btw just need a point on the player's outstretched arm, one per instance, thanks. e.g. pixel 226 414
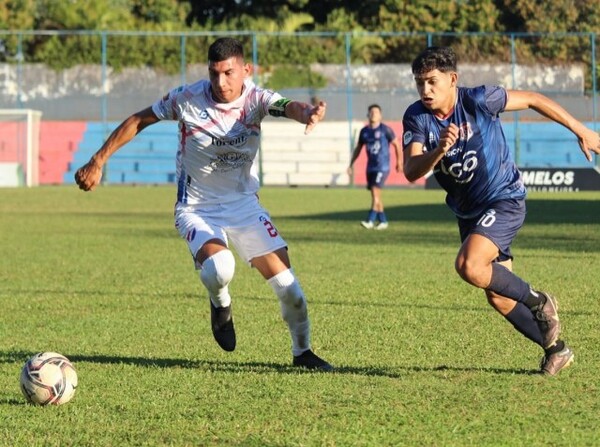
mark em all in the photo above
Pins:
pixel 306 114
pixel 90 174
pixel 589 140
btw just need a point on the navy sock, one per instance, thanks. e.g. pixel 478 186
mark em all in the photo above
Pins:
pixel 534 299
pixel 556 347
pixel 522 319
pixel 372 215
pixel 381 217
pixel 506 283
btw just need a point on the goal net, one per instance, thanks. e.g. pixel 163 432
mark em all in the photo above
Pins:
pixel 19 147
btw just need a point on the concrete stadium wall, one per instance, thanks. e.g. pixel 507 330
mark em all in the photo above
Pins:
pixel 81 93
pixel 288 157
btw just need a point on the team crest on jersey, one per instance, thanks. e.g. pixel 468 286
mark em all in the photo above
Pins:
pixel 407 137
pixel 465 131
pixel 229 161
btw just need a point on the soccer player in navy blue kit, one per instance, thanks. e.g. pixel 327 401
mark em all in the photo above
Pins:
pixel 456 132
pixel 377 138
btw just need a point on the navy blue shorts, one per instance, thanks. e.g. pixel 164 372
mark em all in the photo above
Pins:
pixel 376 178
pixel 499 223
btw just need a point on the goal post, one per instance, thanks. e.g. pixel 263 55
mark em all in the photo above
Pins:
pixel 19 147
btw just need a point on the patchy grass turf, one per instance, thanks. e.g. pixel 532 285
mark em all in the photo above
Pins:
pixel 103 278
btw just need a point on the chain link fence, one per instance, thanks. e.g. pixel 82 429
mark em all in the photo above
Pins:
pixel 103 77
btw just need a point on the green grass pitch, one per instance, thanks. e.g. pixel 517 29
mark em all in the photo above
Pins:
pixel 421 359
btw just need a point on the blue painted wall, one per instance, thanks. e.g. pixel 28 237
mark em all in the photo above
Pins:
pixel 150 157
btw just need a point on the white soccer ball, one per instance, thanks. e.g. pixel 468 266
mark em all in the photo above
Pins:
pixel 48 378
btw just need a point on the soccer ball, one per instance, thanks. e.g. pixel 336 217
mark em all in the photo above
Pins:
pixel 48 378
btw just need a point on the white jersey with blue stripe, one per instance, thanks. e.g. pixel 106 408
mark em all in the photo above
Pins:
pixel 478 170
pixel 218 142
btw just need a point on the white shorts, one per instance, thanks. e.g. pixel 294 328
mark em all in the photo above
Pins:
pixel 245 223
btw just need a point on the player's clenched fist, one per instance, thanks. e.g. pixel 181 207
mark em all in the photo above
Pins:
pixel 448 137
pixel 89 175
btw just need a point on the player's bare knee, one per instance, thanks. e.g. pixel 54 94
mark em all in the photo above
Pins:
pixel 217 270
pixel 471 271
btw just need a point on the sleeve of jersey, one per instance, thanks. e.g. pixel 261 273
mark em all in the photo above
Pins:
pixel 412 132
pixel 390 135
pixel 495 99
pixel 361 137
pixel 165 108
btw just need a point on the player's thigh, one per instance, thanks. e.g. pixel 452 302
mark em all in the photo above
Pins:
pixel 256 239
pixel 272 263
pixel 199 231
pixel 489 236
pixel 376 179
pixel 477 249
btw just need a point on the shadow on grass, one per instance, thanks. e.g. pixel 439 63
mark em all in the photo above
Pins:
pixel 16 293
pixel 435 225
pixel 538 211
pixel 258 367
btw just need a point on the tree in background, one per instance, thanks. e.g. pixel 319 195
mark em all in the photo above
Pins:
pixel 460 19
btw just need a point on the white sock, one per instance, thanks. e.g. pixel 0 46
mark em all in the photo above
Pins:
pixel 293 309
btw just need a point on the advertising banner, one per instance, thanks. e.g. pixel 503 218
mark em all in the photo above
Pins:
pixel 551 179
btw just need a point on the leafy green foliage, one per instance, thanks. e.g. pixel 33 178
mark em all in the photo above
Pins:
pixel 291 76
pixel 455 17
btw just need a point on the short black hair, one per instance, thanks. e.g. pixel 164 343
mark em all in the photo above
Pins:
pixel 225 48
pixel 435 58
pixel 374 106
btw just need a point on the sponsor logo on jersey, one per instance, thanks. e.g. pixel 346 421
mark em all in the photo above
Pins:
pixel 407 137
pixel 235 142
pixel 229 161
pixel 462 170
pixel 432 140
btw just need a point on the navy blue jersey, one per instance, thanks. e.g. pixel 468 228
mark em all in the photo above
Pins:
pixel 377 142
pixel 478 170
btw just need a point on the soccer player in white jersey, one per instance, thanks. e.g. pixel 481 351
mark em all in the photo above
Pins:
pixel 217 206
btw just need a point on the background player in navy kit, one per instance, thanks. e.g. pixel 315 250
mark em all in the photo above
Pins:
pixel 377 138
pixel 456 132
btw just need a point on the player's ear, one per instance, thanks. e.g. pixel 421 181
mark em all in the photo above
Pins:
pixel 454 79
pixel 248 69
